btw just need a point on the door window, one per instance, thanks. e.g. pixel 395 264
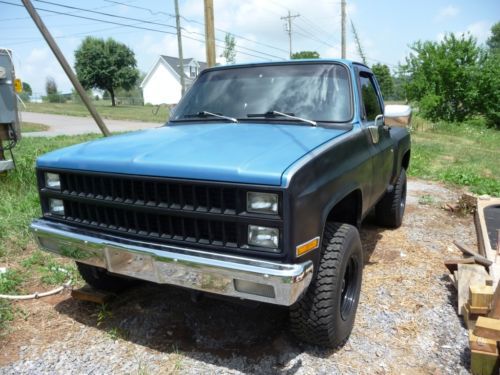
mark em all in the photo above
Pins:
pixel 371 104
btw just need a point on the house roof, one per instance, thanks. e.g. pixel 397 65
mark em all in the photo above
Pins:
pixel 174 62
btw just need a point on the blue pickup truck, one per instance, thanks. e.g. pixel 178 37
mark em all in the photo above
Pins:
pixel 254 189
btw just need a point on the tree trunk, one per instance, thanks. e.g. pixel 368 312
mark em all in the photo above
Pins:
pixel 112 94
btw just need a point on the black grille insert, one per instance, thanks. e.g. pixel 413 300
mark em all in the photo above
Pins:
pixel 204 231
pixel 173 195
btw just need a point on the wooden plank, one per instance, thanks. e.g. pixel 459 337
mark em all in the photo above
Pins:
pixel 452 264
pixel 495 304
pixel 453 280
pixel 468 274
pixel 488 328
pixel 479 310
pixel 481 343
pixel 480 295
pixel 91 295
pixel 477 258
pixel 469 318
pixel 483 363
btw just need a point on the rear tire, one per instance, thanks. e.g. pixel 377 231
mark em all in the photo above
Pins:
pixel 390 210
pixel 325 315
pixel 100 278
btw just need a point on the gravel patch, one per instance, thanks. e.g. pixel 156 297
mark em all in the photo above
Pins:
pixel 406 321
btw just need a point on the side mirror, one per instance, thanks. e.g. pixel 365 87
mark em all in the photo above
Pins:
pixel 397 115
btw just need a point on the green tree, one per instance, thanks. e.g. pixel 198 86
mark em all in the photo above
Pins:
pixel 384 79
pixel 493 41
pixel 106 65
pixel 488 87
pixel 50 86
pixel 305 55
pixel 229 52
pixel 27 88
pixel 441 77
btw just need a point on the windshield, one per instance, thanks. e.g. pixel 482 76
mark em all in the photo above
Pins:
pixel 319 92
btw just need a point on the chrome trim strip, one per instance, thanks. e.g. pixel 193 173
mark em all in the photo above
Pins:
pixel 168 264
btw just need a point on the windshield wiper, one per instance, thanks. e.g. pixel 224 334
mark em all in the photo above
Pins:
pixel 287 115
pixel 206 113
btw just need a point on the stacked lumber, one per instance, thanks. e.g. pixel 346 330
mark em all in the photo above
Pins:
pixel 479 305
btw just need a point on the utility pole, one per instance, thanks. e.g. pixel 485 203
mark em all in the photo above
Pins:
pixel 209 32
pixel 179 46
pixel 66 67
pixel 361 52
pixel 342 6
pixel 288 28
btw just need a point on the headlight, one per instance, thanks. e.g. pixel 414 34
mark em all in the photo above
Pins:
pixel 52 181
pixel 263 236
pixel 266 203
pixel 56 207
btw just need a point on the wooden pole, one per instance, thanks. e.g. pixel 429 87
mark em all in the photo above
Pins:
pixel 66 67
pixel 179 46
pixel 343 28
pixel 209 32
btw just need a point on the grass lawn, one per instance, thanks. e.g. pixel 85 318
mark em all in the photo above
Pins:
pixel 465 155
pixel 27 127
pixel 145 113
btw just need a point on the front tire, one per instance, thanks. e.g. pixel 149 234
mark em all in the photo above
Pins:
pixel 390 210
pixel 325 315
pixel 100 278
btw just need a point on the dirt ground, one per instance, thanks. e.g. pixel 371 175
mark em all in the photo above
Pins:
pixel 406 321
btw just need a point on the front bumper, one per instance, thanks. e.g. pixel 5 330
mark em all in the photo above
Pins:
pixel 234 276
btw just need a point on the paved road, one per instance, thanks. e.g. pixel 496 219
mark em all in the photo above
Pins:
pixel 72 125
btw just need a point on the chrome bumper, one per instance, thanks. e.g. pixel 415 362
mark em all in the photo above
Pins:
pixel 234 276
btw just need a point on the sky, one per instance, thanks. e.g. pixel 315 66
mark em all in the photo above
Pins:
pixel 386 29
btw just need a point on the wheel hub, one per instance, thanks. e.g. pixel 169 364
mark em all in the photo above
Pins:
pixel 348 290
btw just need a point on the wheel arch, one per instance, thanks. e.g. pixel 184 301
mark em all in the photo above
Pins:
pixel 345 208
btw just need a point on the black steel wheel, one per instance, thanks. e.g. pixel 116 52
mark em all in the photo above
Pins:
pixel 390 210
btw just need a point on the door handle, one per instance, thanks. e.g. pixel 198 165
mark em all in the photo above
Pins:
pixel 373 129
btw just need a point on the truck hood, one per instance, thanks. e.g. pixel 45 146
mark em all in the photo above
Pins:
pixel 253 153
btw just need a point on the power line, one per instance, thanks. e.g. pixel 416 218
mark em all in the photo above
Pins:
pixel 105 14
pixel 154 12
pixel 311 36
pixel 130 26
pixel 147 22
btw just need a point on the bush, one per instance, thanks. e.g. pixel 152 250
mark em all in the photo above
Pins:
pixel 54 98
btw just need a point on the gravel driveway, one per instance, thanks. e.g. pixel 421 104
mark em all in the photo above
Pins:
pixel 406 321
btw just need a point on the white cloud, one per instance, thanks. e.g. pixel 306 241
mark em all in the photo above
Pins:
pixel 449 11
pixel 40 64
pixel 480 30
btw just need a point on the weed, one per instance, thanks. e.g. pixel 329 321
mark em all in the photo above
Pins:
pixel 142 369
pixel 116 333
pixel 6 313
pixel 10 282
pixel 426 199
pixel 103 314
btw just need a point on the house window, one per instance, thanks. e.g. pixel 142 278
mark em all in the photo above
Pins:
pixel 193 71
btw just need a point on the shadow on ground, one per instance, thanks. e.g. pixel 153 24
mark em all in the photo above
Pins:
pixel 167 319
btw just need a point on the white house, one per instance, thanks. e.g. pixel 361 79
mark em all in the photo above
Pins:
pixel 162 85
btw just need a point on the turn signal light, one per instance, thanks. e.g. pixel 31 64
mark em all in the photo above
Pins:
pixel 307 246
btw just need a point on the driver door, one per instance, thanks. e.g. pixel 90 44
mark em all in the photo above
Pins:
pixel 377 133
